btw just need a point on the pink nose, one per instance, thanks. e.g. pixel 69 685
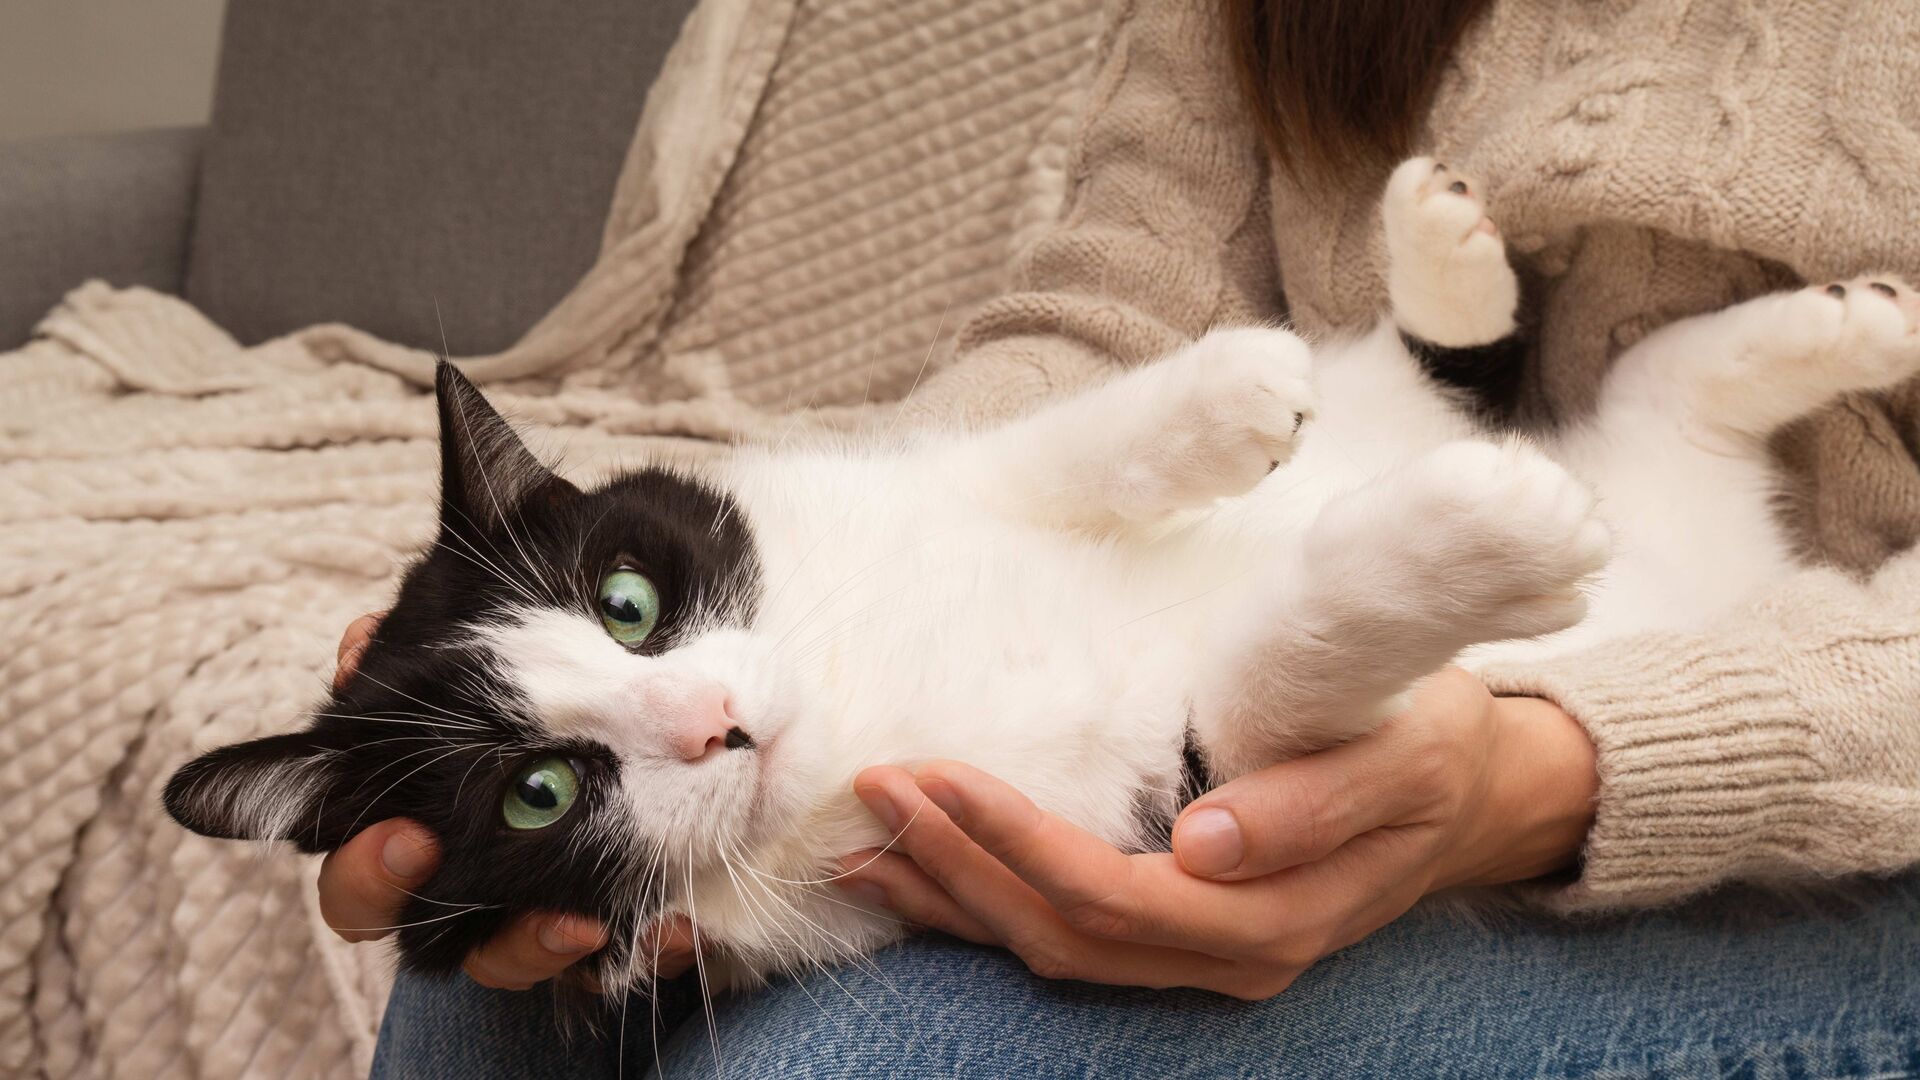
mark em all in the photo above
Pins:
pixel 697 721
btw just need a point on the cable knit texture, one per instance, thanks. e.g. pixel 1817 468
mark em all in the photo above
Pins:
pixel 1646 161
pixel 818 205
pixel 813 192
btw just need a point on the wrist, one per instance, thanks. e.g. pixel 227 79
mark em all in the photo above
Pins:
pixel 1539 803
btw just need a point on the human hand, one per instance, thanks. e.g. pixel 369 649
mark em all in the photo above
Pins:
pixel 365 883
pixel 1269 873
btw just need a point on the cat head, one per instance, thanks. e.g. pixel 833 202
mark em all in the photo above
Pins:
pixel 565 691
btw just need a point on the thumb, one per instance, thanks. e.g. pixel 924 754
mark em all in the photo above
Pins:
pixel 1297 812
pixel 364 884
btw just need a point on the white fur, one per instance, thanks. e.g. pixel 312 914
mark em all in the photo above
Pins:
pixel 1443 247
pixel 1051 601
pixel 274 797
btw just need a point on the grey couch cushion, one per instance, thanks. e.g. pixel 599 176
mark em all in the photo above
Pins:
pixel 91 206
pixel 371 158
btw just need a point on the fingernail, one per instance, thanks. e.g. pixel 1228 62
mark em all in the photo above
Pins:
pixel 1208 842
pixel 941 794
pixel 880 805
pixel 867 893
pixel 555 939
pixel 406 855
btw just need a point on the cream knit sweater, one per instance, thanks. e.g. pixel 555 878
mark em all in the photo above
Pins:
pixel 816 192
pixel 1647 161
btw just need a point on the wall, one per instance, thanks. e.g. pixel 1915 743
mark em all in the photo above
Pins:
pixel 71 66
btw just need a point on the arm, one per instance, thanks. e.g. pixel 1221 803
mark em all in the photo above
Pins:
pixel 1784 743
pixel 1164 232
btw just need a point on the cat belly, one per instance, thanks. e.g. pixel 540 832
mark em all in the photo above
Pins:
pixel 1037 656
pixel 920 628
pixel 1694 534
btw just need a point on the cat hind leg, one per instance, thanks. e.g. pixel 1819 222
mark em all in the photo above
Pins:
pixel 1473 542
pixel 1755 366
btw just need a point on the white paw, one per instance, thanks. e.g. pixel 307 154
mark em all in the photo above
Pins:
pixel 1447 272
pixel 1228 410
pixel 1869 325
pixel 1489 540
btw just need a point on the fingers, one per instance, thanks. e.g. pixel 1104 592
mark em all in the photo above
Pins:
pixel 532 949
pixel 949 859
pixel 364 884
pixel 353 644
pixel 670 948
pixel 893 883
pixel 988 865
pixel 665 951
pixel 1069 866
pixel 1008 908
pixel 1296 812
pixel 1095 888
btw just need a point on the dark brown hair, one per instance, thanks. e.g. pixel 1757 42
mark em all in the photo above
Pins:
pixel 1335 84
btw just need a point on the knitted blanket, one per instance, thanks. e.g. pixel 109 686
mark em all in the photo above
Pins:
pixel 814 192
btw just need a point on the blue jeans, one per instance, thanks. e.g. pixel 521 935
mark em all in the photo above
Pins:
pixel 1741 984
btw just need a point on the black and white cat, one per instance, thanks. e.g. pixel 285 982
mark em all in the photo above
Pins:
pixel 652 697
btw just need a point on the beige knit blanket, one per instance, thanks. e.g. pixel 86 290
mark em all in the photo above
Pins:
pixel 814 196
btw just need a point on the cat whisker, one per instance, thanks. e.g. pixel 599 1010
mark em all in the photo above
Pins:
pixel 926 360
pixel 911 818
pixel 452 748
pixel 431 708
pixel 419 922
pixel 389 717
pixel 700 967
pixel 489 566
pixel 799 948
pixel 444 903
pixel 375 801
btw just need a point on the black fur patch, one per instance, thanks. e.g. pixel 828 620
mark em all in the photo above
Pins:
pixel 1156 812
pixel 1486 376
pixel 420 730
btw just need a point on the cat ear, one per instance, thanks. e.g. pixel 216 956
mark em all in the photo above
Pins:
pixel 260 790
pixel 485 470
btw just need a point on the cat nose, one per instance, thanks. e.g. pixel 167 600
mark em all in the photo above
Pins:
pixel 701 723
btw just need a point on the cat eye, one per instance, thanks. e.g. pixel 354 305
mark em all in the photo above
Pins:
pixel 541 793
pixel 629 606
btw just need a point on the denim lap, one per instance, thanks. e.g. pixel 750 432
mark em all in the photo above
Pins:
pixel 1741 984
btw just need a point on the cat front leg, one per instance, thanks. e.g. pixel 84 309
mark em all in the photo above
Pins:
pixel 1751 368
pixel 1448 278
pixel 1211 420
pixel 1472 542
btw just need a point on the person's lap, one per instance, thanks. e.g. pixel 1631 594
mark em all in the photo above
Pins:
pixel 1740 984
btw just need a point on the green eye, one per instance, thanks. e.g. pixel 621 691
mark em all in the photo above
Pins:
pixel 629 606
pixel 541 794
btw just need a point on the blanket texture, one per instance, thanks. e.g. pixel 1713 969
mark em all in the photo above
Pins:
pixel 814 195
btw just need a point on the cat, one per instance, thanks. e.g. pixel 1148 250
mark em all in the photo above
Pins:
pixel 651 697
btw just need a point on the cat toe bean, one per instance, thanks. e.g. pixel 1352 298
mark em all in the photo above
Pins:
pixel 1216 419
pixel 1447 270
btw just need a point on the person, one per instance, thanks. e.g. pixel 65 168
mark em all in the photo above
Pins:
pixel 1646 161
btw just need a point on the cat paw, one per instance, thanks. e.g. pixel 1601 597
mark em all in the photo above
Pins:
pixel 1872 330
pixel 1478 541
pixel 1448 278
pixel 1524 535
pixel 1225 411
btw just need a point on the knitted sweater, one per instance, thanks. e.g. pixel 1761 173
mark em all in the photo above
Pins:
pixel 813 190
pixel 1647 161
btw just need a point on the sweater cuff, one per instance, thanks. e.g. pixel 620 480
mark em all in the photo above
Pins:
pixel 1704 759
